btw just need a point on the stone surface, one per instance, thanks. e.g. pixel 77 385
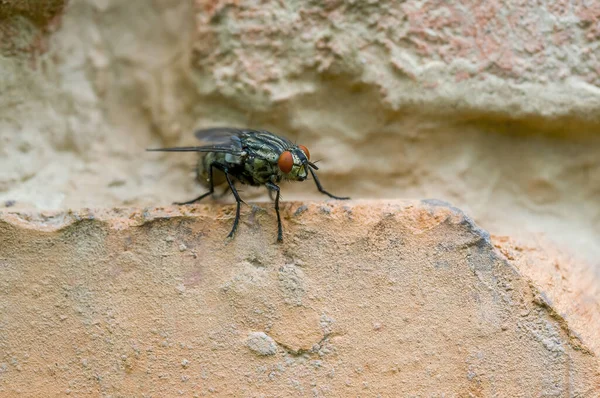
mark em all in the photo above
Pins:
pixel 25 24
pixel 511 57
pixel 367 298
pixel 261 343
pixel 112 70
pixel 493 106
pixel 570 287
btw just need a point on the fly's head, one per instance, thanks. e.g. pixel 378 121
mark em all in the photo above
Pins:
pixel 294 163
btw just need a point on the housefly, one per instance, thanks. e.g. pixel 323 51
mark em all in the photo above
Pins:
pixel 252 157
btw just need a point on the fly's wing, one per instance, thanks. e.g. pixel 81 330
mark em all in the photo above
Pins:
pixel 217 134
pixel 218 139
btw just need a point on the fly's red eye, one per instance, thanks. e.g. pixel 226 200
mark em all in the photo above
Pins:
pixel 285 162
pixel 305 150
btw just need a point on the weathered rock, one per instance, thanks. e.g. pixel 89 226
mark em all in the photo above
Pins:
pixel 368 298
pixel 511 58
pixel 261 343
pixel 491 106
pixel 25 24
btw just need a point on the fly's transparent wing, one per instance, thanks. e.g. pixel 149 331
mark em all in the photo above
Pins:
pixel 205 148
pixel 227 138
pixel 218 139
pixel 217 135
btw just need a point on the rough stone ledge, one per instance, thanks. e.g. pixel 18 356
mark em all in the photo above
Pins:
pixel 376 297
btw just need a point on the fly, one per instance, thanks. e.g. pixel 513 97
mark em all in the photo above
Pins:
pixel 251 157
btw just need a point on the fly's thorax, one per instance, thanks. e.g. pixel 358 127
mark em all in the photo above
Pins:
pixel 261 170
pixel 266 154
pixel 265 162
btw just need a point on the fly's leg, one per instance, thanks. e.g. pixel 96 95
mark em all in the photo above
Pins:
pixel 273 187
pixel 211 190
pixel 199 198
pixel 320 187
pixel 237 199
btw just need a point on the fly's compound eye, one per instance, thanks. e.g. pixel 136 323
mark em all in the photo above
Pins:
pixel 305 150
pixel 285 162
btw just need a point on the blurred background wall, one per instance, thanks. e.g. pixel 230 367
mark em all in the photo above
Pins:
pixel 493 106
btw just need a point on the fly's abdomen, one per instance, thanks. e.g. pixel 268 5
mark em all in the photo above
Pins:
pixel 228 160
pixel 203 169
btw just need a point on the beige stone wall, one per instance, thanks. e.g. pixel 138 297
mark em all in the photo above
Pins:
pixel 491 106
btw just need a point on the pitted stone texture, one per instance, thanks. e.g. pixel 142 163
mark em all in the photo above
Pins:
pixel 397 298
pixel 24 25
pixel 261 343
pixel 111 69
pixel 512 57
